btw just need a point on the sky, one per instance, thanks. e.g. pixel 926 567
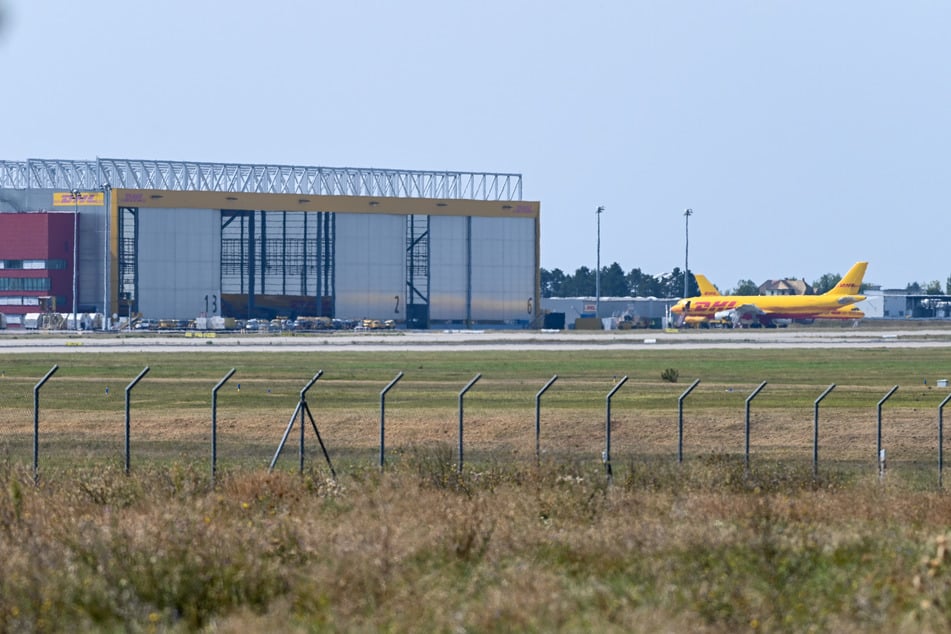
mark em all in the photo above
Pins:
pixel 804 135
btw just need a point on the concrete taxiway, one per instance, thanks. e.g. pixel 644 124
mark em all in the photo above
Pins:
pixel 13 342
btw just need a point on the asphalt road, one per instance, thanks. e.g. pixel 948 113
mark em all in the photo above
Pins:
pixel 21 342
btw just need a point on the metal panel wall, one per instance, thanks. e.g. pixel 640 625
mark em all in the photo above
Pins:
pixel 501 253
pixel 179 252
pixel 503 269
pixel 370 263
pixel 447 266
pixel 92 256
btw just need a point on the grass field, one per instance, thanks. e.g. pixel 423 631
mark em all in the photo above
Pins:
pixel 82 406
pixel 507 544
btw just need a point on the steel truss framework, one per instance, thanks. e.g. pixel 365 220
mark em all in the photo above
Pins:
pixel 262 253
pixel 279 253
pixel 260 179
pixel 128 260
pixel 417 271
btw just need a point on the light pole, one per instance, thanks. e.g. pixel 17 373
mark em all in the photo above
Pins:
pixel 75 253
pixel 107 205
pixel 687 213
pixel 597 271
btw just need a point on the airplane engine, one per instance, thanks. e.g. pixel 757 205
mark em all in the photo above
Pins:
pixel 734 318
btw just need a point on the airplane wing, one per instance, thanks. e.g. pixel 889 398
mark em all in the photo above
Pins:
pixel 739 315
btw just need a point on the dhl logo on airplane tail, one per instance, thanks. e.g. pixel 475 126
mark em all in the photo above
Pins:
pixel 852 282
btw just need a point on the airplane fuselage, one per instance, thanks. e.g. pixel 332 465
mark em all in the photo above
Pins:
pixel 837 303
pixel 778 306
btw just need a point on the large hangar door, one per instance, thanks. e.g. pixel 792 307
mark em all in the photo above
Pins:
pixel 482 270
pixel 177 261
pixel 370 262
pixel 449 283
pixel 503 270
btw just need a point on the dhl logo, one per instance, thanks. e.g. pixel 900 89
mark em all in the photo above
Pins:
pixel 81 199
pixel 713 307
pixel 848 285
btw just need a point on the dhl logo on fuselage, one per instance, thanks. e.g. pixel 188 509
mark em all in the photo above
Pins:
pixel 701 306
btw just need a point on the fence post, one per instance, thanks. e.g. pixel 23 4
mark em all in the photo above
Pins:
pixel 607 428
pixel 538 418
pixel 214 425
pixel 680 420
pixel 305 409
pixel 815 432
pixel 747 445
pixel 461 394
pixel 301 409
pixel 383 416
pixel 128 390
pixel 941 438
pixel 36 423
pixel 880 454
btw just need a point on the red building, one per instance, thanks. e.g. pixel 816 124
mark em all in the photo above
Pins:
pixel 36 260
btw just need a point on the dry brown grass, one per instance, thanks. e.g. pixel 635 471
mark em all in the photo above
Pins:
pixel 701 548
pixel 847 435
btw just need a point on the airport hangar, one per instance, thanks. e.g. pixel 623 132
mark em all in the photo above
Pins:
pixel 176 240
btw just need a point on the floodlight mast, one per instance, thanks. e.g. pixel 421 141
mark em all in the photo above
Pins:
pixel 687 213
pixel 597 270
pixel 75 194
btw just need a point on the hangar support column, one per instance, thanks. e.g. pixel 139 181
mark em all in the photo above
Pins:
pixel 417 271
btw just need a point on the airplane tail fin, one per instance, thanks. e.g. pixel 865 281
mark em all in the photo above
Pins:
pixel 706 288
pixel 852 282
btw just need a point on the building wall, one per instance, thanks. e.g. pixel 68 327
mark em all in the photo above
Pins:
pixel 650 309
pixel 873 305
pixel 370 266
pixel 447 268
pixel 179 255
pixel 179 261
pixel 503 269
pixel 92 238
pixel 29 244
pixel 502 276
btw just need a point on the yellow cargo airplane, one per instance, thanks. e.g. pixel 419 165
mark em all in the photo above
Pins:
pixel 771 310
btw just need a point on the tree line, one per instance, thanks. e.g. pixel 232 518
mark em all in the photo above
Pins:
pixel 614 283
pixel 635 283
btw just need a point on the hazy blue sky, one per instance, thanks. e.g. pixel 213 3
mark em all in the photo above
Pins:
pixel 805 135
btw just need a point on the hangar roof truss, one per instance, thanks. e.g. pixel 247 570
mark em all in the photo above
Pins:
pixel 261 179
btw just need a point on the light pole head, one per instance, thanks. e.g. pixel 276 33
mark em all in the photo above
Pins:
pixel 600 209
pixel 688 212
pixel 75 193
